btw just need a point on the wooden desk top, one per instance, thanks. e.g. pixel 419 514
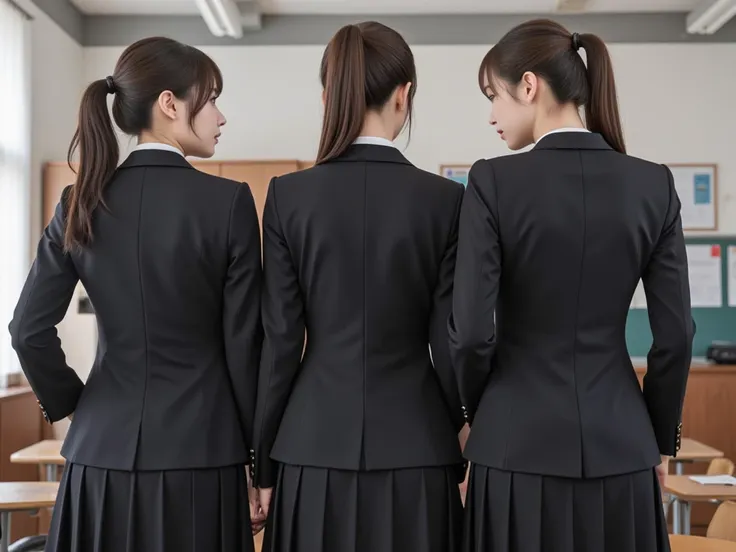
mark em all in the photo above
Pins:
pixel 688 543
pixel 27 495
pixel 43 452
pixel 691 450
pixel 682 487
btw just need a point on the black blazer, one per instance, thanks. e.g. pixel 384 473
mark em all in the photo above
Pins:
pixel 174 276
pixel 360 252
pixel 554 241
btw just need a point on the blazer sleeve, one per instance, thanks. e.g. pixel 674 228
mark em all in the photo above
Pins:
pixel 43 303
pixel 477 276
pixel 441 308
pixel 284 326
pixel 667 289
pixel 241 318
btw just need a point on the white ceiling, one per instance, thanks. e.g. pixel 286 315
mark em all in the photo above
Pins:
pixel 367 7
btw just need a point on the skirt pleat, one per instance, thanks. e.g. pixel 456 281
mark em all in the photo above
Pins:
pixel 100 510
pixel 517 512
pixel 324 510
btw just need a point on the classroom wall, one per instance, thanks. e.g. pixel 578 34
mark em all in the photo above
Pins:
pixel 676 102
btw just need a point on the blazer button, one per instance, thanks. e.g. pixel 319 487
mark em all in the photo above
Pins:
pixel 43 412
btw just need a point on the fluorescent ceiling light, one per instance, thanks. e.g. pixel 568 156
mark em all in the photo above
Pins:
pixel 222 17
pixel 710 16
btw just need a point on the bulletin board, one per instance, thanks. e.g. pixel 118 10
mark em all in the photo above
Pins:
pixel 714 323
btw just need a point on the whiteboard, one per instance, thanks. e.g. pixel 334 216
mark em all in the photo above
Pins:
pixel 697 189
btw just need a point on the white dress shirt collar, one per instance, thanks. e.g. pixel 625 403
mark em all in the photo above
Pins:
pixel 564 129
pixel 158 146
pixel 374 140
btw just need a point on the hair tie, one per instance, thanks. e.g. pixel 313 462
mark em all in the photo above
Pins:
pixel 110 85
pixel 576 41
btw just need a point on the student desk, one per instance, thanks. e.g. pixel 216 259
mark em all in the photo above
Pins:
pixel 23 497
pixel 685 492
pixel 46 454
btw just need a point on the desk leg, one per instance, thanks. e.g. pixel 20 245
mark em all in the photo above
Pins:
pixel 686 509
pixel 676 506
pixel 5 528
pixel 50 472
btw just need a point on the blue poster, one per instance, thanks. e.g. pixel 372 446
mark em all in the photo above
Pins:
pixel 702 189
pixel 458 175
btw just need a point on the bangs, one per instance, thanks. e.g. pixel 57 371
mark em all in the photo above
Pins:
pixel 488 80
pixel 206 81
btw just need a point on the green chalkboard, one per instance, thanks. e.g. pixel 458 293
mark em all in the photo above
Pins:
pixel 713 324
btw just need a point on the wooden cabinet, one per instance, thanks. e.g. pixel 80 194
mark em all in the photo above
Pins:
pixel 258 175
pixel 56 177
pixel 20 426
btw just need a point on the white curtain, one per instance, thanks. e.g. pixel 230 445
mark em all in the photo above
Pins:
pixel 15 174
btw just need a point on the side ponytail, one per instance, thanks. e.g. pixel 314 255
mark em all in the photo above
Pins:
pixel 601 109
pixel 98 156
pixel 344 76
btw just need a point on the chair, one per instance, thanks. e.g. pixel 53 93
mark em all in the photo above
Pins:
pixel 721 466
pixel 723 524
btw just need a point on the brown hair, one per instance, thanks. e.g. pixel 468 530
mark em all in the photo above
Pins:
pixel 144 70
pixel 548 50
pixel 361 67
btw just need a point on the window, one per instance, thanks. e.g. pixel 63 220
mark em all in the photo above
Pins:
pixel 15 153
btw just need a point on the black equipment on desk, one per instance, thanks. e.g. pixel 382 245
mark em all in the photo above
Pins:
pixel 722 352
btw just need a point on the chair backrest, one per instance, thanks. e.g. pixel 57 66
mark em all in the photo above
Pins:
pixel 723 524
pixel 721 466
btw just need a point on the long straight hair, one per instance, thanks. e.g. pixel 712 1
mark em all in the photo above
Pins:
pixel 548 50
pixel 361 67
pixel 144 70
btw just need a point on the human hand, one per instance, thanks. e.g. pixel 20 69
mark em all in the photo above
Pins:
pixel 662 470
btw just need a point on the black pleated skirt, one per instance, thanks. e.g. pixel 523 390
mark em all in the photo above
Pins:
pixel 516 512
pixel 99 510
pixel 324 510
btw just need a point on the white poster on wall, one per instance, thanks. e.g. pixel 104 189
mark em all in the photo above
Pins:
pixel 705 270
pixel 697 189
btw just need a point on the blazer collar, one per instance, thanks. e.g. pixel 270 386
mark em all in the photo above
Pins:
pixel 155 158
pixel 573 140
pixel 371 152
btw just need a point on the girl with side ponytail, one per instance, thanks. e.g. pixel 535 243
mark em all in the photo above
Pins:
pixel 170 257
pixel 552 245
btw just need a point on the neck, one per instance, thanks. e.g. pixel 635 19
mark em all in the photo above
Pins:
pixel 153 137
pixel 566 117
pixel 375 125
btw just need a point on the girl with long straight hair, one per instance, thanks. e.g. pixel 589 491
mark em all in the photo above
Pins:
pixel 357 434
pixel 567 451
pixel 171 260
